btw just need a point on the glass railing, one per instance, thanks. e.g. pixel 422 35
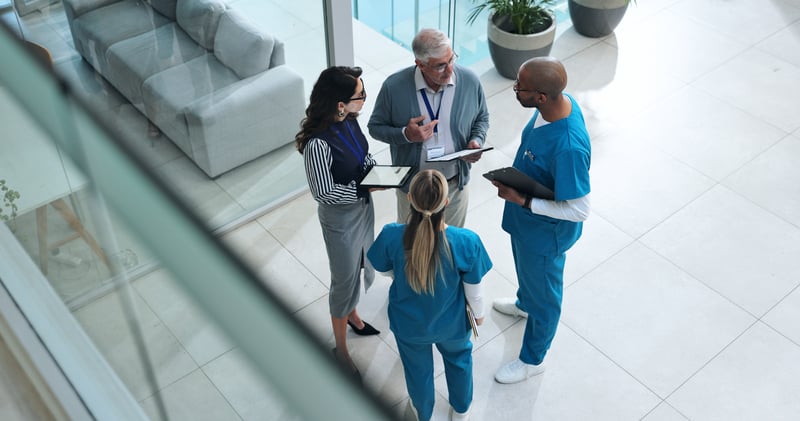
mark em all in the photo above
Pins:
pixel 179 337
pixel 401 20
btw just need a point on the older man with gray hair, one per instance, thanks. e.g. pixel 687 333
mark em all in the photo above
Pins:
pixel 432 109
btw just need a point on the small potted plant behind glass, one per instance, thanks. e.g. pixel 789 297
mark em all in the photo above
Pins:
pixel 517 30
pixel 8 210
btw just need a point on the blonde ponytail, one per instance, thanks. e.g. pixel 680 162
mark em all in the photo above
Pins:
pixel 424 240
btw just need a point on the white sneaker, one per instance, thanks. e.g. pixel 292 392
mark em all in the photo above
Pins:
pixel 517 371
pixel 509 306
pixel 459 416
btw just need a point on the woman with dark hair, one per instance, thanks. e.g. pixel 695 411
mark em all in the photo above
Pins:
pixel 336 156
pixel 437 269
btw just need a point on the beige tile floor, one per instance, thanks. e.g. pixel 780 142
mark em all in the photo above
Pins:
pixel 681 300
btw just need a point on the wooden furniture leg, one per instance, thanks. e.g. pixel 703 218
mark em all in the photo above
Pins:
pixel 80 232
pixel 61 206
pixel 41 231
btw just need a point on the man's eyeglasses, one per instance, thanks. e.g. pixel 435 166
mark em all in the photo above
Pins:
pixel 518 90
pixel 443 66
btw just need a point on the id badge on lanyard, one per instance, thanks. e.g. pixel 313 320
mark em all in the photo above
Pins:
pixel 434 150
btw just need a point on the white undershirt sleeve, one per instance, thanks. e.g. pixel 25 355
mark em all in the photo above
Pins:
pixel 474 293
pixel 575 210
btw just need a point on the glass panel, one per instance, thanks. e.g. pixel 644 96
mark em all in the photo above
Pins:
pixel 399 21
pixel 215 122
pixel 232 157
pixel 149 318
pixel 469 39
pixel 48 205
pixel 53 212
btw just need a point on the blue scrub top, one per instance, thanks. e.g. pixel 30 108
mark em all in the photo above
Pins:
pixel 558 155
pixel 430 318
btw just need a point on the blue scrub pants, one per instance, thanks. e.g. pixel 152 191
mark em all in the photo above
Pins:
pixel 417 361
pixel 541 282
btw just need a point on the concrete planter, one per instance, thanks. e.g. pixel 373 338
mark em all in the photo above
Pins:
pixel 509 50
pixel 596 18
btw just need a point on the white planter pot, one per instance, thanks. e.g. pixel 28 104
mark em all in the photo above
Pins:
pixel 509 50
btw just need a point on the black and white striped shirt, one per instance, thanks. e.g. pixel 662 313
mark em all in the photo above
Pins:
pixel 318 160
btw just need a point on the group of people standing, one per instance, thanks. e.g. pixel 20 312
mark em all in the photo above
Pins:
pixel 427 110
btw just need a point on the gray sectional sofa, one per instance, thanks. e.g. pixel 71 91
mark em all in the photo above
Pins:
pixel 216 85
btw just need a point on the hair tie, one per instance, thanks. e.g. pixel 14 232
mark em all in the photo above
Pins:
pixel 426 213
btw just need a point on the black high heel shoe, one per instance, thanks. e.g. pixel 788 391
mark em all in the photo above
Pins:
pixel 366 331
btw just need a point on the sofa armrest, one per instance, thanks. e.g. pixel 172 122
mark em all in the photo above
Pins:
pixel 278 57
pixel 245 120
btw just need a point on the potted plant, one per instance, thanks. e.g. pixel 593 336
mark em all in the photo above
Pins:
pixel 517 30
pixel 9 196
pixel 596 18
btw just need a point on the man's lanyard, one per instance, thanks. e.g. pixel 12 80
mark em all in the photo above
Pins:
pixel 430 110
pixel 358 154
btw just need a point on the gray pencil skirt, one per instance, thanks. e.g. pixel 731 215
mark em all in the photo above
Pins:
pixel 348 231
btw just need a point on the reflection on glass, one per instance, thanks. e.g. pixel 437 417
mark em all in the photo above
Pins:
pixel 140 69
pixel 172 359
pixel 213 112
pixel 51 198
pixel 162 347
pixel 58 223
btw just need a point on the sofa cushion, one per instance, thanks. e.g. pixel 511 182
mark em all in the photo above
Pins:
pixel 133 60
pixel 200 18
pixel 165 7
pixel 167 94
pixel 101 28
pixel 241 46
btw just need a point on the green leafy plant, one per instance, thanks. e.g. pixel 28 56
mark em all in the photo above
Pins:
pixel 525 16
pixel 9 197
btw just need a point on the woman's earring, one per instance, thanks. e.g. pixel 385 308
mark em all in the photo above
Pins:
pixel 341 113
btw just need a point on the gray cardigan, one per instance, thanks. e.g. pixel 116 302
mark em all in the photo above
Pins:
pixel 397 103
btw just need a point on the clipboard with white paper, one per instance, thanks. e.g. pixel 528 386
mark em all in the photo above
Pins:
pixel 460 154
pixel 472 322
pixel 386 176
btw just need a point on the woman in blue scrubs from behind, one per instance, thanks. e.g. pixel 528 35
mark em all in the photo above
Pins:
pixel 436 270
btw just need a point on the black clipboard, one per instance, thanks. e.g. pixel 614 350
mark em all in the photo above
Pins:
pixel 521 182
pixel 386 176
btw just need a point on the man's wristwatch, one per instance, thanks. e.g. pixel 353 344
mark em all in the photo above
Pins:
pixel 527 204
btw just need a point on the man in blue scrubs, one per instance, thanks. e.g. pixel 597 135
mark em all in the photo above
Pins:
pixel 555 151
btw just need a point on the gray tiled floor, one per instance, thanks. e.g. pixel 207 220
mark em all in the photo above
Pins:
pixel 682 298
